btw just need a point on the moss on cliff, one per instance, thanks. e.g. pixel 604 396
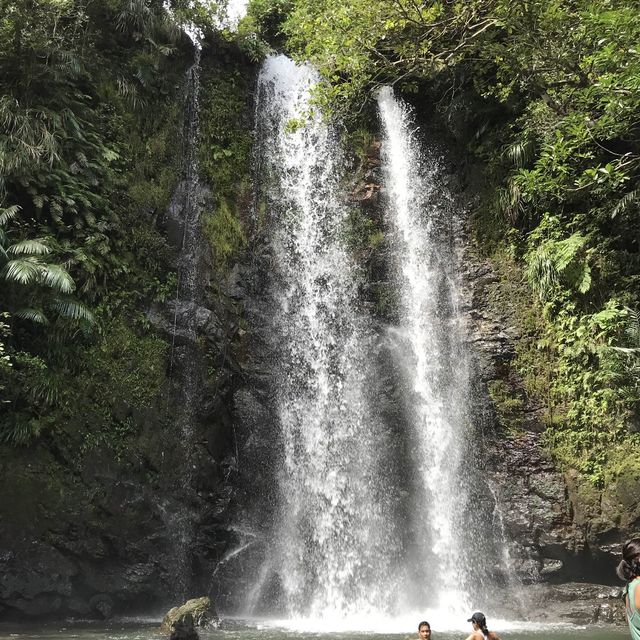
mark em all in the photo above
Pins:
pixel 225 148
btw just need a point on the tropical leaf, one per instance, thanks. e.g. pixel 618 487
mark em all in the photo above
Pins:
pixel 18 433
pixel 626 202
pixel 34 315
pixel 567 250
pixel 23 270
pixel 36 247
pixel 8 214
pixel 56 277
pixel 73 310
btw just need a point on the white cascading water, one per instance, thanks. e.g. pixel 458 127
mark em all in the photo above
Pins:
pixel 430 349
pixel 334 541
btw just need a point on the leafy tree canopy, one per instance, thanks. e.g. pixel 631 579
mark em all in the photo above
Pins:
pixel 545 94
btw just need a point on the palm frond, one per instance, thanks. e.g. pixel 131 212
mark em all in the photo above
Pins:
pixel 56 277
pixel 36 247
pixel 7 214
pixel 22 270
pixel 73 310
pixel 46 388
pixel 33 315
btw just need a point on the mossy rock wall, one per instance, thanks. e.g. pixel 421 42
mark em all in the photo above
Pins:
pixel 87 506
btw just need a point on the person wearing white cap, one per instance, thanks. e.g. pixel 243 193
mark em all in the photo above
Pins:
pixel 480 631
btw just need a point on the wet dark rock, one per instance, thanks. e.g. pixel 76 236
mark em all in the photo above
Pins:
pixel 185 320
pixel 184 629
pixel 560 527
pixel 197 612
pixel 102 604
pixel 578 603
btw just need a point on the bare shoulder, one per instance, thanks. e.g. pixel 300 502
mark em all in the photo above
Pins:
pixel 493 635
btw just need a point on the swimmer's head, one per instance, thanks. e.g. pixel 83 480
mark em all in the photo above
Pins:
pixel 424 630
pixel 629 566
pixel 478 620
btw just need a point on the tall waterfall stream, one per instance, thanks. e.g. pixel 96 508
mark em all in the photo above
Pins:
pixel 370 518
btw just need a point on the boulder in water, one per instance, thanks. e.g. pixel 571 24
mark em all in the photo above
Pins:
pixel 183 629
pixel 198 612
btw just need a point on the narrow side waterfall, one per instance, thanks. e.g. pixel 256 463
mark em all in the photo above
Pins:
pixel 186 368
pixel 430 349
pixel 334 539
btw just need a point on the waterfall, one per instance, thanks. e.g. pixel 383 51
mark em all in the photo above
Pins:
pixel 365 506
pixel 334 538
pixel 429 346
pixel 187 367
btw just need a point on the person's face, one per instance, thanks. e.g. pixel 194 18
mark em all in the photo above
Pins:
pixel 424 632
pixel 475 626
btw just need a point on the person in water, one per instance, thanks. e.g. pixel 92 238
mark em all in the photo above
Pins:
pixel 629 571
pixel 424 631
pixel 480 631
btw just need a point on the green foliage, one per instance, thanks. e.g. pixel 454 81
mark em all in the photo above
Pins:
pixel 225 234
pixel 90 118
pixel 509 406
pixel 546 95
pixel 554 264
pixel 225 150
pixel 96 391
pixel 265 18
pixel 127 368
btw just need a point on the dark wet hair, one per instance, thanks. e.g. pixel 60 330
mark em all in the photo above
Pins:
pixel 629 566
pixel 479 618
pixel 424 623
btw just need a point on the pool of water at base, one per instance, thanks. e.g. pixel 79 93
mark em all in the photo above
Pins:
pixel 273 630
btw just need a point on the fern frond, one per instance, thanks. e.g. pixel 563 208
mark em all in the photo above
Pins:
pixel 626 202
pixel 633 328
pixel 566 250
pixel 584 282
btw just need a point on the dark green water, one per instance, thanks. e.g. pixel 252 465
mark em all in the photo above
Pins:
pixel 239 631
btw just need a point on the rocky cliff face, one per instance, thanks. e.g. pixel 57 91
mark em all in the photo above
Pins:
pixel 563 529
pixel 93 525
